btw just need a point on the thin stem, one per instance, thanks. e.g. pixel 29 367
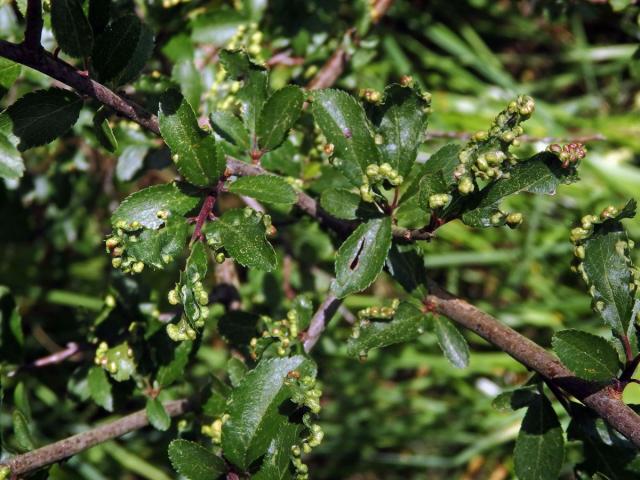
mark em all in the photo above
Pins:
pixel 33 31
pixel 325 311
pixel 628 351
pixel 203 216
pixel 54 452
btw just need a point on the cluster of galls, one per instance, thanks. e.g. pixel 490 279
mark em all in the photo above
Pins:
pixel 214 431
pixel 486 154
pixel 249 38
pixel 283 333
pixel 513 219
pixel 313 440
pixel 376 175
pixel 112 359
pixel 569 154
pixel 579 235
pixel 183 330
pixel 374 313
pixel 307 392
pixel 371 95
pixel 115 245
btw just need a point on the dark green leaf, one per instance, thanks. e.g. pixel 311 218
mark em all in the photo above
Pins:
pixel 408 323
pixel 238 328
pixel 516 398
pixel 143 206
pixel 540 174
pixel 157 415
pixel 254 415
pixel 71 28
pixel 278 115
pixel 216 403
pixel 99 14
pixel 122 50
pixel 342 203
pixel 345 125
pixel 406 266
pixel 195 462
pixel 194 150
pixel 588 356
pixel 103 130
pixel 100 388
pixel 402 122
pixel 539 448
pixel 21 400
pixel 11 335
pixel 361 257
pixel 243 235
pixel 191 283
pixel 265 188
pixel 230 127
pixel 41 116
pixel 451 341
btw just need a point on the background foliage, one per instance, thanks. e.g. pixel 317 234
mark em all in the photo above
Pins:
pixel 405 412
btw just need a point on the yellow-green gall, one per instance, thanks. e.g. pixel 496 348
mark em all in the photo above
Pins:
pixel 514 219
pixel 173 297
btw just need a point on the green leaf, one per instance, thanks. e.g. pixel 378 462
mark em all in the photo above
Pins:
pixel 11 163
pixel 344 204
pixel 402 122
pixel 265 188
pixel 254 410
pixel 21 400
pixel 216 27
pixel 103 130
pixel 118 361
pixel 516 398
pixel 406 266
pixel 130 161
pixel 174 369
pixel 607 268
pixel 345 125
pixel 437 169
pixel 157 415
pixel 22 431
pixel 9 72
pixel 539 448
pixel 158 248
pixel 100 388
pixel 41 116
pixel 236 369
pixel 278 115
pixel 408 323
pixel 276 463
pixel 588 356
pixel 230 127
pixel 194 150
pixel 122 50
pixel 195 462
pixel 71 28
pixel 143 206
pixel 453 344
pixel 243 235
pixel 191 283
pixel 541 174
pixel 361 257
pixel 185 74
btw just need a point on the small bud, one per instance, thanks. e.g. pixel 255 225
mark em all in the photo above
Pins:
pixel 116 262
pixel 173 297
pixel 465 186
pixel 138 267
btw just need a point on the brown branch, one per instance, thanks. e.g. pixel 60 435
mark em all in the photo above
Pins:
pixel 54 452
pixel 319 321
pixel 605 401
pixel 33 31
pixel 44 62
